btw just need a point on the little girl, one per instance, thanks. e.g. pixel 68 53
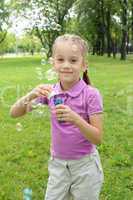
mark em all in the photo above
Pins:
pixel 76 108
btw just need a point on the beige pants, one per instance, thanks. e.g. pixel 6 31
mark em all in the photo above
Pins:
pixel 75 179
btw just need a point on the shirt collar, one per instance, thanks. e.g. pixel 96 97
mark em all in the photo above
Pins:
pixel 74 91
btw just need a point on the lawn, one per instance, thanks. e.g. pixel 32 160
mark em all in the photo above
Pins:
pixel 24 154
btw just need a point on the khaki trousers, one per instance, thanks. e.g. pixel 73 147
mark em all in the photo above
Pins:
pixel 80 179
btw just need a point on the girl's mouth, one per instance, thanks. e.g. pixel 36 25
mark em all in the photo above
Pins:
pixel 66 72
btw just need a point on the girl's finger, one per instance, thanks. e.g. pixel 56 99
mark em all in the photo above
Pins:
pixel 41 92
pixel 60 111
pixel 61 107
pixel 46 87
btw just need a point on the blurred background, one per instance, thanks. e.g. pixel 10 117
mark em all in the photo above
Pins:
pixel 28 25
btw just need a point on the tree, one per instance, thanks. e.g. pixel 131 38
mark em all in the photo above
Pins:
pixel 29 43
pixel 132 22
pixel 124 7
pixel 8 44
pixel 91 15
pixel 4 17
pixel 47 18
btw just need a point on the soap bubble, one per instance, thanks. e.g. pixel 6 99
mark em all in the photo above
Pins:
pixel 27 194
pixel 44 62
pixel 43 53
pixel 58 27
pixel 19 127
pixel 53 93
pixel 38 68
pixel 34 105
pixel 39 72
pixel 39 110
pixel 50 75
pixel 37 114
pixel 40 77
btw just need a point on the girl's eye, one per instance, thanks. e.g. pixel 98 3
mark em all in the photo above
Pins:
pixel 60 59
pixel 73 60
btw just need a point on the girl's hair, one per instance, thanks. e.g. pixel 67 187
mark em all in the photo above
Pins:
pixel 79 42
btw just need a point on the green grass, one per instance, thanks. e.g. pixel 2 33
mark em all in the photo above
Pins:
pixel 24 154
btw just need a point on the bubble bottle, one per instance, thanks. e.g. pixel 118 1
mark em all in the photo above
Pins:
pixel 58 101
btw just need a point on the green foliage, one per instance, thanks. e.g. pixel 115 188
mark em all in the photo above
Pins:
pixel 47 18
pixel 24 154
pixel 29 43
pixel 4 17
pixel 102 23
pixel 8 45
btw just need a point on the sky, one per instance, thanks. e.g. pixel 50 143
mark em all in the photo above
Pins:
pixel 18 25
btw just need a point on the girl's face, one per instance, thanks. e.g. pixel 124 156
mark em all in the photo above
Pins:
pixel 68 62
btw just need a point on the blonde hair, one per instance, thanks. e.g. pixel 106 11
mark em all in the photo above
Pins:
pixel 74 39
pixel 81 43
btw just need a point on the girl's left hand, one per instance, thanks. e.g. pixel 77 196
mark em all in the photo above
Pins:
pixel 65 113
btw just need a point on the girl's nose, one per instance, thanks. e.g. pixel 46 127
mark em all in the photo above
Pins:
pixel 66 65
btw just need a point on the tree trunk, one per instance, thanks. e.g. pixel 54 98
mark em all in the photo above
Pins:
pixel 93 50
pixel 132 24
pixel 114 48
pixel 127 44
pixel 108 19
pixel 102 29
pixel 124 29
pixel 3 37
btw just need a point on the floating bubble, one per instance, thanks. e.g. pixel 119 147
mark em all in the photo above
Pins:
pixel 43 53
pixel 58 27
pixel 40 105
pixel 34 105
pixel 27 194
pixel 44 62
pixel 39 110
pixel 39 72
pixel 1 11
pixel 39 113
pixel 40 77
pixel 50 75
pixel 53 93
pixel 53 24
pixel 19 127
pixel 130 105
pixel 38 68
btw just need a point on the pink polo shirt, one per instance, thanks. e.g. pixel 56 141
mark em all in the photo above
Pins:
pixel 67 142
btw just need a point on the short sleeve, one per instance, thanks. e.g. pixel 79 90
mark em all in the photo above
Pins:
pixel 42 100
pixel 94 102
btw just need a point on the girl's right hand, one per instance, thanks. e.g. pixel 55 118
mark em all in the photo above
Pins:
pixel 42 90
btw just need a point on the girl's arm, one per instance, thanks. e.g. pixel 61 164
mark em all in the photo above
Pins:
pixel 24 104
pixel 93 131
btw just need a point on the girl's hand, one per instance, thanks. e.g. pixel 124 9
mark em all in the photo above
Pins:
pixel 41 90
pixel 65 113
